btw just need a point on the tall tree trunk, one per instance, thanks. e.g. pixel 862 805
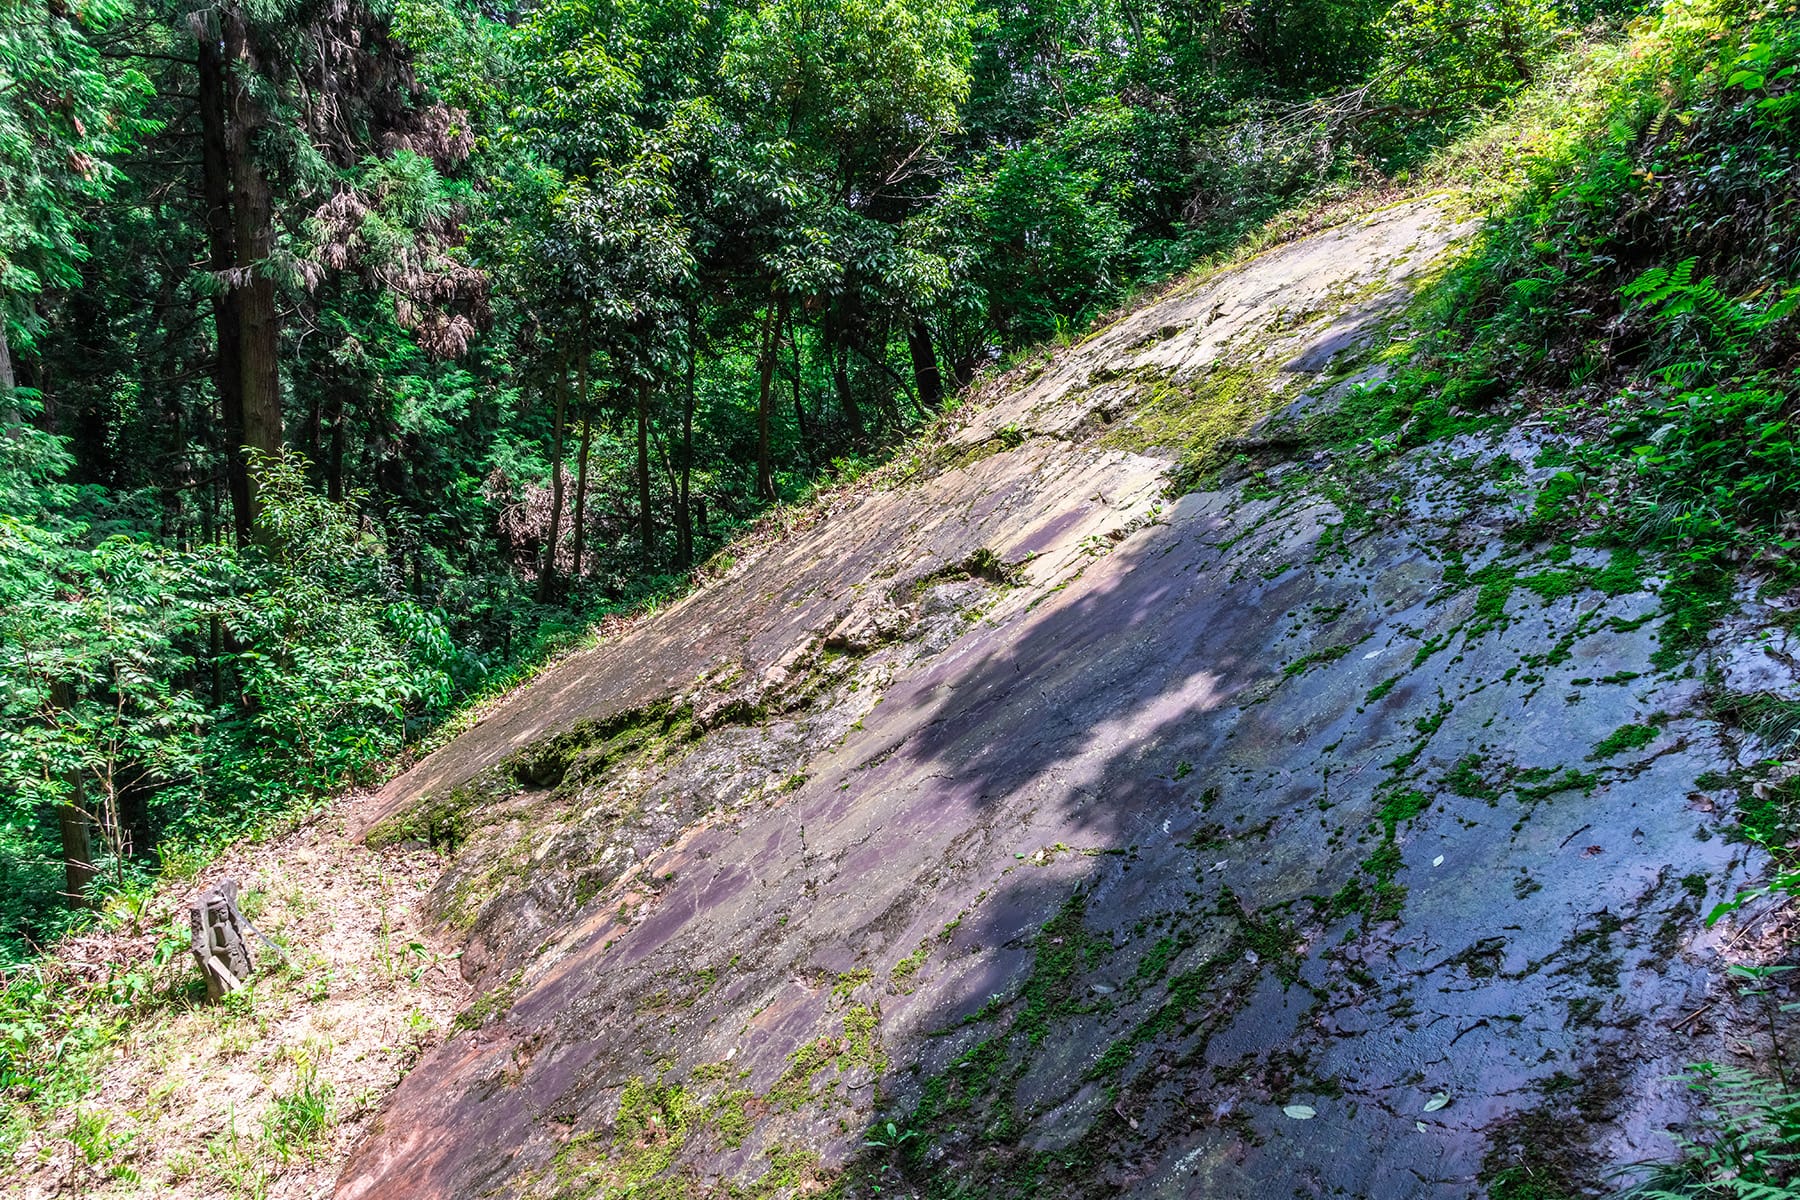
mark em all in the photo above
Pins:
pixel 840 378
pixel 315 423
pixel 765 465
pixel 77 849
pixel 924 364
pixel 8 380
pixel 684 509
pixel 962 371
pixel 581 483
pixel 799 408
pixel 646 524
pixel 215 174
pixel 584 405
pixel 41 380
pixel 215 653
pixel 890 408
pixel 77 827
pixel 334 451
pixel 547 576
pixel 139 833
pixel 253 236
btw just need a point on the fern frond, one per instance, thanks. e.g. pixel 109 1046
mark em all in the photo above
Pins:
pixel 1644 285
pixel 1722 312
pixel 1780 310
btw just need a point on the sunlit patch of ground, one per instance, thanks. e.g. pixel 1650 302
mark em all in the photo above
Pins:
pixel 264 1093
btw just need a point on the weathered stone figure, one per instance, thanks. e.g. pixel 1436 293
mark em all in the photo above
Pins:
pixel 221 941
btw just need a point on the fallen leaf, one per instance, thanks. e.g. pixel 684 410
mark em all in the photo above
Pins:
pixel 1593 850
pixel 1438 861
pixel 1301 1112
pixel 1437 1101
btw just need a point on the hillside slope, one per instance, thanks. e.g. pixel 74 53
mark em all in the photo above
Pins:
pixel 1023 829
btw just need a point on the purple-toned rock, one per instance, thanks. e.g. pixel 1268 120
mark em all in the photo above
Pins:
pixel 1019 829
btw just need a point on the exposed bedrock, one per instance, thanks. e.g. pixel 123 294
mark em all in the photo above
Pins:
pixel 1023 829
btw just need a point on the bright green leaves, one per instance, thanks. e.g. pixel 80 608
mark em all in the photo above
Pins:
pixel 1699 328
pixel 846 106
pixel 212 689
pixel 1769 65
pixel 1044 241
pixel 1448 56
pixel 870 81
pixel 62 113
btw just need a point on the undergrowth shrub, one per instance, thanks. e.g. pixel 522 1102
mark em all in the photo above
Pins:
pixel 170 697
pixel 1639 299
pixel 1748 1145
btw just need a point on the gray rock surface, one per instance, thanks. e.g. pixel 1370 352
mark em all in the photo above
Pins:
pixel 1092 838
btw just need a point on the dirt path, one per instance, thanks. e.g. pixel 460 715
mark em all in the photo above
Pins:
pixel 262 1095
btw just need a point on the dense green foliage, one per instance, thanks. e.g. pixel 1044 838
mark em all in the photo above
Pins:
pixel 1641 295
pixel 1638 298
pixel 362 350
pixel 116 654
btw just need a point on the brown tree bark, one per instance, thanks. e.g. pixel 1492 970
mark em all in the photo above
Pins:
pixel 547 576
pixel 583 405
pixel 77 850
pixel 840 378
pixel 77 826
pixel 799 407
pixel 215 173
pixel 581 484
pixel 253 237
pixel 684 509
pixel 646 522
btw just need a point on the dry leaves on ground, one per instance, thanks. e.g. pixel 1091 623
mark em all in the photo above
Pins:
pixel 263 1094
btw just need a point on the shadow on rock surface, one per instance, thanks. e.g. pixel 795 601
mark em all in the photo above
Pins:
pixel 1097 893
pixel 1258 850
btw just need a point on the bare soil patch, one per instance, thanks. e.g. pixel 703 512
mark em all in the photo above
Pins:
pixel 263 1094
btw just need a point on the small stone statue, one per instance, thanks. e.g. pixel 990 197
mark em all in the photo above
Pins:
pixel 221 940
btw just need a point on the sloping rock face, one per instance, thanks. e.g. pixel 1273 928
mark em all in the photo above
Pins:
pixel 1021 829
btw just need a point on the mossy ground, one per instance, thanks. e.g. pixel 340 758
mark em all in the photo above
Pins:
pixel 661 1128
pixel 1193 420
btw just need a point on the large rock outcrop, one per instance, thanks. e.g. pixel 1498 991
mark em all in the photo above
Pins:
pixel 1022 828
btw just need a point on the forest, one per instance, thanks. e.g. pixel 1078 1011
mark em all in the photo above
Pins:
pixel 358 355
pixel 951 599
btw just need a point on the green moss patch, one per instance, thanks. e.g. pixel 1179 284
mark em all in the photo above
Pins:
pixel 1195 420
pixel 1625 739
